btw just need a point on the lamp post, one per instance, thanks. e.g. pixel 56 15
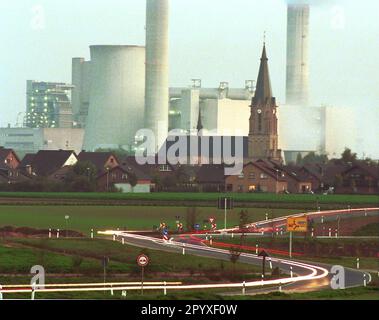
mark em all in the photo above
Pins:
pixel 277 181
pixel 67 217
pixel 107 179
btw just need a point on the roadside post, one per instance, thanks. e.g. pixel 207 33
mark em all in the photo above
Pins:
pixel 91 233
pixel 330 232
pixel 1 294
pixel 142 261
pixel 244 288
pixel 58 234
pixel 184 249
pixel 291 268
pixel 270 260
pixel 211 241
pixel 50 233
pixel 123 241
pixel 256 249
pixel 358 263
pixel 364 280
pixel 296 224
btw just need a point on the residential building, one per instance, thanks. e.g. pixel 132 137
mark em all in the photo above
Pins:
pixel 48 163
pixel 257 178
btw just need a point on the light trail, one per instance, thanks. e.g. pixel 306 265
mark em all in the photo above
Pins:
pixel 308 214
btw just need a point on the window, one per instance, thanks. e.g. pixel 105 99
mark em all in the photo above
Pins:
pixel 264 176
pixel 252 176
pixel 124 176
pixel 164 168
pixel 240 188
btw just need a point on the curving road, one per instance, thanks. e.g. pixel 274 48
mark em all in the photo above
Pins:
pixel 307 276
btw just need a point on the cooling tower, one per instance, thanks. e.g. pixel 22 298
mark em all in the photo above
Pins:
pixel 116 97
pixel 80 93
pixel 297 55
pixel 157 69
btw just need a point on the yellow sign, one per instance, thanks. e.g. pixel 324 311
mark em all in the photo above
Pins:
pixel 297 224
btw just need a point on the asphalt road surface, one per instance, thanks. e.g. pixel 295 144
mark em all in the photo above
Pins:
pixel 321 272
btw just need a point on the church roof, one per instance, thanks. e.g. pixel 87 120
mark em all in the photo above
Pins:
pixel 263 91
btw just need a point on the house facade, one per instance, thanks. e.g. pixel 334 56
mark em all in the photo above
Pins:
pixel 256 178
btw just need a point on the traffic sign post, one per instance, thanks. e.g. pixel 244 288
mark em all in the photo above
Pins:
pixel 264 255
pixel 105 263
pixel 226 204
pixel 296 224
pixel 142 261
pixel 290 252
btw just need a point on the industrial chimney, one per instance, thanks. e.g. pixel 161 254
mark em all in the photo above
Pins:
pixel 297 55
pixel 157 69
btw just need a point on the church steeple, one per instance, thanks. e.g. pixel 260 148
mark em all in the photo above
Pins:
pixel 263 93
pixel 263 134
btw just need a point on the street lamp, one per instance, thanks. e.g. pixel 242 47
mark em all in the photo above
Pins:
pixel 277 181
pixel 107 179
pixel 67 217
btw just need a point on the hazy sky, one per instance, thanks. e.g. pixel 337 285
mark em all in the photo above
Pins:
pixel 215 40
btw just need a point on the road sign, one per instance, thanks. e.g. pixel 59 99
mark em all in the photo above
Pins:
pixel 197 227
pixel 143 260
pixel 212 219
pixel 297 224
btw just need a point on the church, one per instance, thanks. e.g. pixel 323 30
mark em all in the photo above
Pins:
pixel 263 135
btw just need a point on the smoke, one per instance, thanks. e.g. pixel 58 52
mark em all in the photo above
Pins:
pixel 310 2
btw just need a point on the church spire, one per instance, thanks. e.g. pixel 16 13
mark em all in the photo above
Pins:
pixel 263 91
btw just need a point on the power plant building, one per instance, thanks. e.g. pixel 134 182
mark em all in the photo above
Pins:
pixel 48 105
pixel 222 109
pixel 31 140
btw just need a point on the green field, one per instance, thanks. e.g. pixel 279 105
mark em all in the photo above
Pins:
pixel 80 261
pixel 59 256
pixel 240 197
pixel 84 218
